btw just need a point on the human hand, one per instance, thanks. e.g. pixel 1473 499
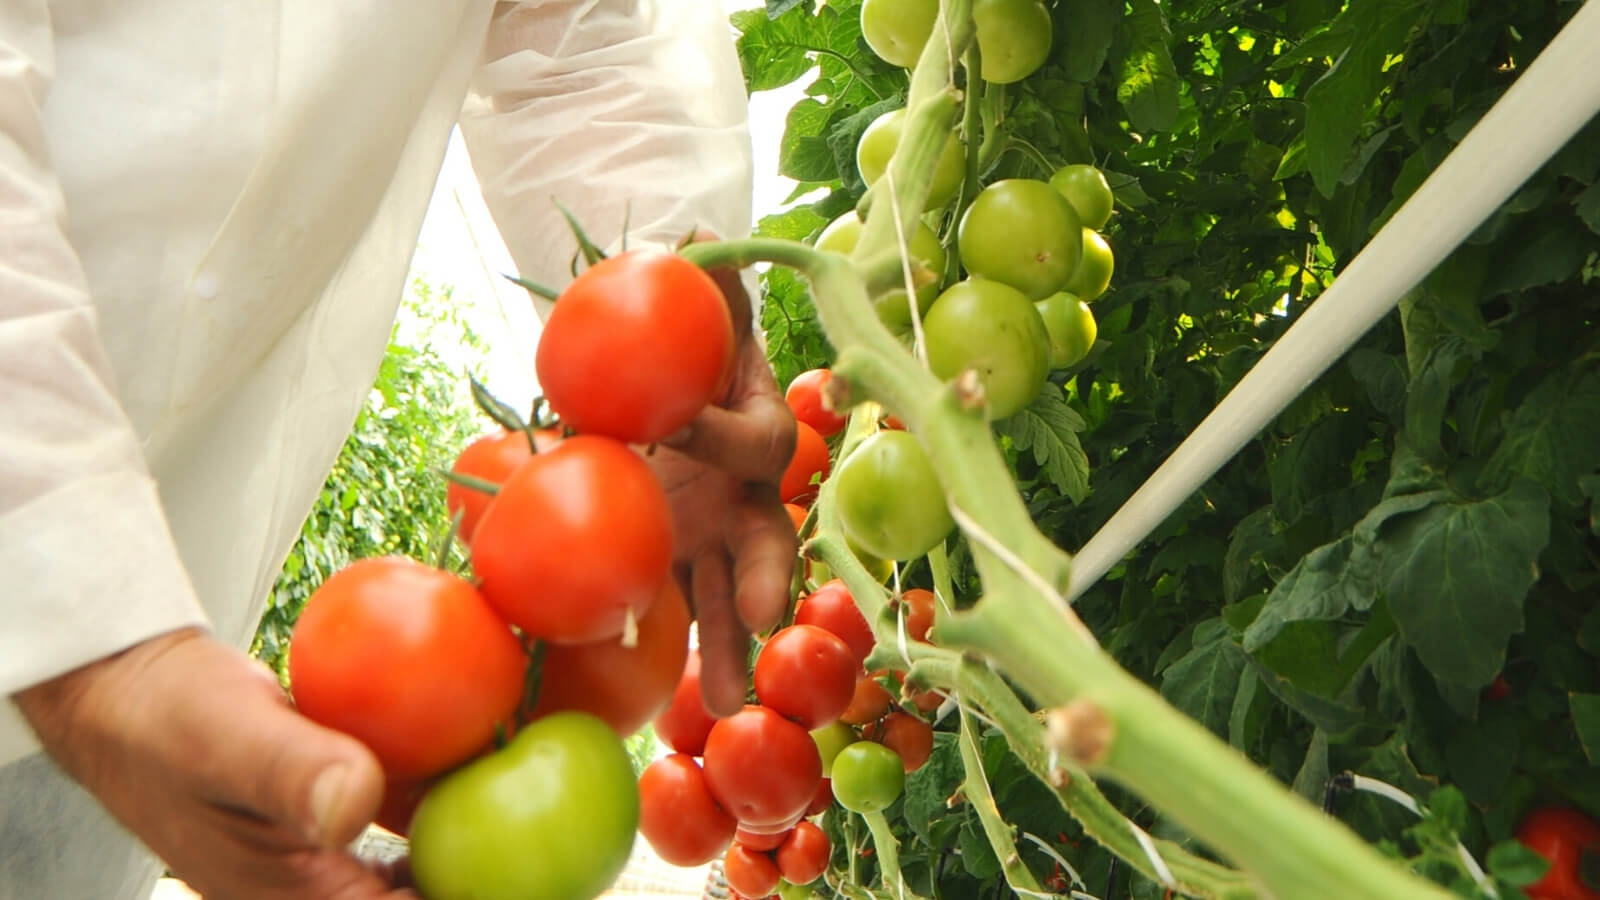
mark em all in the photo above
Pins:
pixel 193 748
pixel 735 544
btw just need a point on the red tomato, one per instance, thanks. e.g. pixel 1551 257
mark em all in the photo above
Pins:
pixel 576 540
pixel 637 345
pixel 810 460
pixel 893 424
pixel 759 842
pixel 762 767
pixel 803 856
pixel 806 674
pixel 919 613
pixel 924 701
pixel 906 735
pixel 804 397
pixel 678 815
pixel 750 872
pixel 409 660
pixel 823 799
pixel 1561 836
pixel 685 724
pixel 492 458
pixel 831 608
pixel 797 514
pixel 400 800
pixel 625 686
pixel 869 702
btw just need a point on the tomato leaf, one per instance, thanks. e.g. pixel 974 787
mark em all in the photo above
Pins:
pixel 773 50
pixel 1587 205
pixel 929 787
pixel 1552 437
pixel 1149 88
pixel 1087 37
pixel 1049 428
pixel 1515 863
pixel 1325 584
pixel 1316 461
pixel 1586 718
pixel 1204 682
pixel 1553 251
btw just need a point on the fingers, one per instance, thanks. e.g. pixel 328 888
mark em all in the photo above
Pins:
pixel 729 282
pixel 764 550
pixel 724 641
pixel 754 439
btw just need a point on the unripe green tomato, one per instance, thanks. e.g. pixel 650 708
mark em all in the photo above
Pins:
pixel 1085 187
pixel 1071 326
pixel 787 891
pixel 877 146
pixel 890 501
pixel 841 236
pixel 1021 232
pixel 896 30
pixel 994 329
pixel 867 777
pixel 1093 274
pixel 1013 38
pixel 551 816
pixel 830 739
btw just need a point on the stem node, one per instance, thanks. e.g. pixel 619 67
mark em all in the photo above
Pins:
pixel 1081 731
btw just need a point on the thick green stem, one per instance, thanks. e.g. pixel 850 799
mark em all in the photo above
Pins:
pixel 976 787
pixel 888 856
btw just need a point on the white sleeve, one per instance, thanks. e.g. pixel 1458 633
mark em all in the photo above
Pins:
pixel 89 563
pixel 617 108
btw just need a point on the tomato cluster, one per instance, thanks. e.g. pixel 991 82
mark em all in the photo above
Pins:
pixel 479 695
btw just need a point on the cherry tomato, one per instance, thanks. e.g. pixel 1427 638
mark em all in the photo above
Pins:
pixel 993 329
pixel 867 777
pixel 804 397
pixel 831 608
pixel 896 30
pixel 577 539
pixel 491 458
pixel 678 815
pixel 550 817
pixel 869 703
pixel 908 736
pixel 760 843
pixel 1086 189
pixel 1022 233
pixel 1562 836
pixel 890 502
pixel 877 146
pixel 830 739
pixel 923 701
pixel 1093 274
pixel 685 724
pixel 762 768
pixel 1013 38
pixel 918 603
pixel 1070 324
pixel 750 872
pixel 409 660
pixel 626 686
pixel 803 855
pixel 807 674
pixel 657 311
pixel 823 799
pixel 810 461
pixel 841 236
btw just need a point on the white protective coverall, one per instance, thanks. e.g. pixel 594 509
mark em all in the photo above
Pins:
pixel 207 211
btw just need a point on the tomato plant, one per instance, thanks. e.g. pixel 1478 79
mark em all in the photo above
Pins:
pixel 660 313
pixel 890 500
pixel 409 660
pixel 678 815
pixel 761 767
pixel 806 674
pixel 993 329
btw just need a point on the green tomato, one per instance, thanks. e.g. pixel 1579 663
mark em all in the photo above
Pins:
pixel 867 777
pixel 896 30
pixel 890 501
pixel 1013 38
pixel 1071 327
pixel 877 146
pixel 1086 189
pixel 551 816
pixel 787 891
pixel 841 236
pixel 830 739
pixel 1021 232
pixel 987 326
pixel 1093 274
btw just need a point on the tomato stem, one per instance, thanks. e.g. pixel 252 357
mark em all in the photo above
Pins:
pixel 981 797
pixel 888 855
pixel 471 481
pixel 533 287
pixel 591 252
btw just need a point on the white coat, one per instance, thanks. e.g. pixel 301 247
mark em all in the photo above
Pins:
pixel 207 212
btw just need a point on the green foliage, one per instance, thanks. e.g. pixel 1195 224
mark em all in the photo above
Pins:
pixel 1422 519
pixel 385 495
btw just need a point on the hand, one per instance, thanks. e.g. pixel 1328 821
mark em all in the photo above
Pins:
pixel 736 546
pixel 193 747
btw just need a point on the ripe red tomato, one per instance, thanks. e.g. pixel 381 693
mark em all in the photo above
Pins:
pixel 762 767
pixel 678 815
pixel 869 702
pixel 492 458
pixel 797 514
pixel 637 345
pixel 803 856
pixel 823 799
pixel 906 735
pixel 804 397
pixel 576 539
pixel 831 608
pixel 750 872
pixel 760 842
pixel 685 724
pixel 919 612
pixel 810 460
pixel 923 701
pixel 409 660
pixel 806 674
pixel 625 686
pixel 1562 836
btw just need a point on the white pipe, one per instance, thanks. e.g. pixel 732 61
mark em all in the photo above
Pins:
pixel 1553 98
